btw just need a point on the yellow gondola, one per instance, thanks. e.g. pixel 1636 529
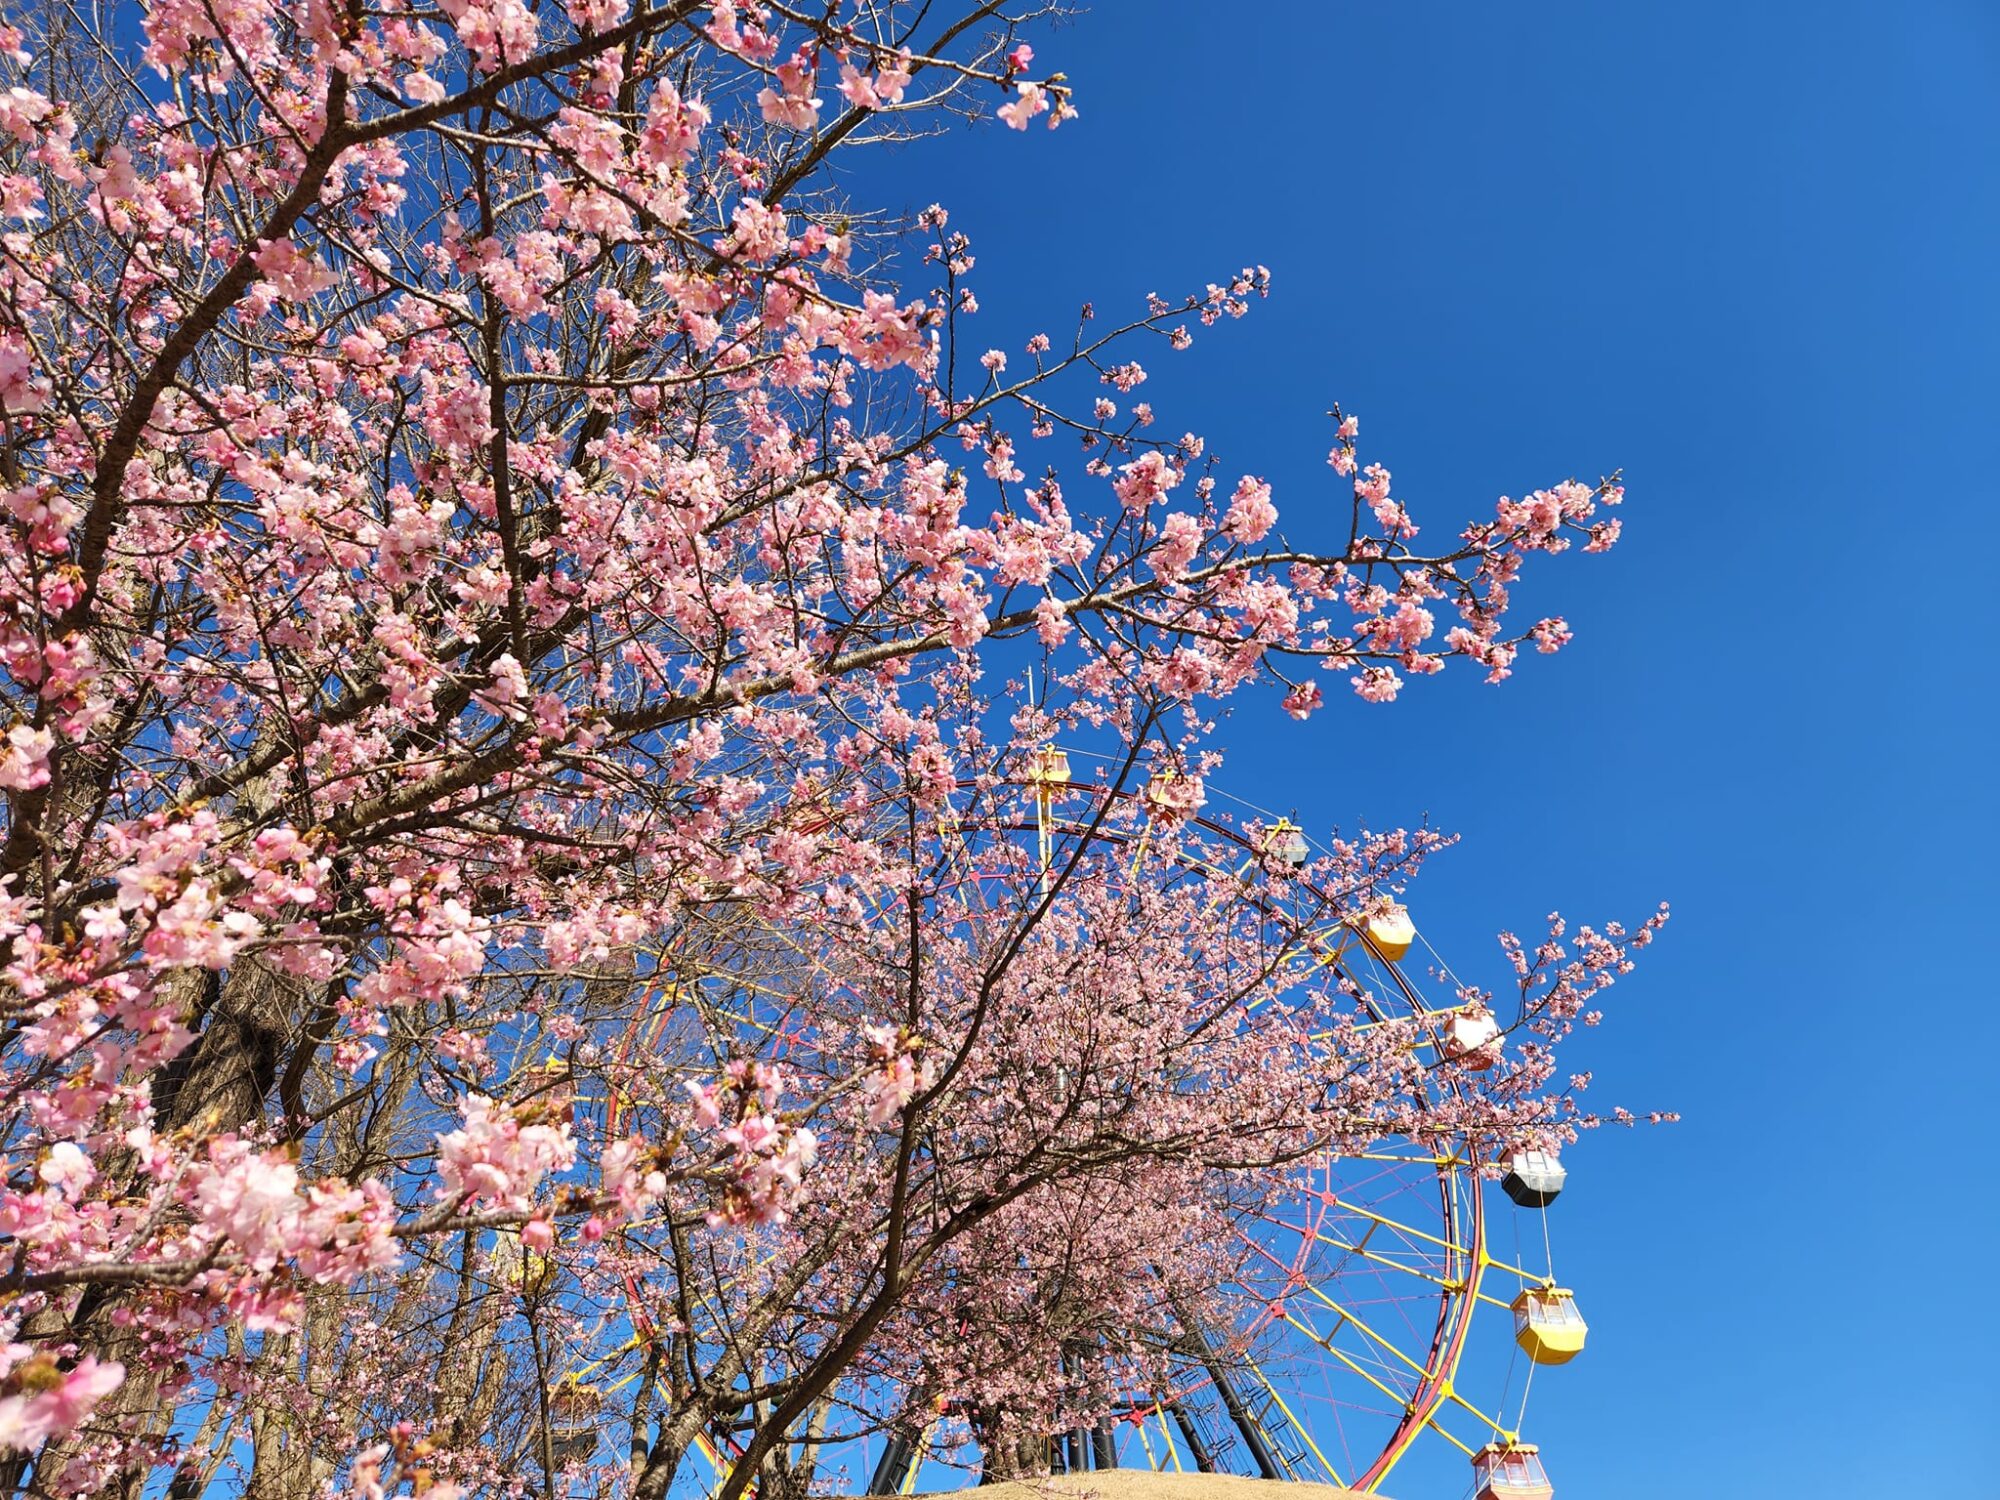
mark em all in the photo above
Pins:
pixel 1050 767
pixel 1548 1326
pixel 1389 934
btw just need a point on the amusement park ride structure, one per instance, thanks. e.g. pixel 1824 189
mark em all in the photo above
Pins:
pixel 1361 1295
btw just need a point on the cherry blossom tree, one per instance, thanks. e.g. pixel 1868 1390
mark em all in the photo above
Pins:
pixel 516 618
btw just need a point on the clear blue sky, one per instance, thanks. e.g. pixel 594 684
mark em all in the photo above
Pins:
pixel 1746 252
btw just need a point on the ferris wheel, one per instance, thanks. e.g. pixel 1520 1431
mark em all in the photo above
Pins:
pixel 1375 1294
pixel 1392 1304
pixel 1369 1285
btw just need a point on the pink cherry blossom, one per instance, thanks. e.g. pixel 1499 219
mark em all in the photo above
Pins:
pixel 1377 684
pixel 542 644
pixel 1031 101
pixel 24 764
pixel 1145 481
pixel 1251 513
pixel 495 1160
pixel 46 1401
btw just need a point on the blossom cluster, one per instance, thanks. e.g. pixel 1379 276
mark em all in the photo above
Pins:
pixel 500 592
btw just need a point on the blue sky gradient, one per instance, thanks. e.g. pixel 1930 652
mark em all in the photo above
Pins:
pixel 1746 253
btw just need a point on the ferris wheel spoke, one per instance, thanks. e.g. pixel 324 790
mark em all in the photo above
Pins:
pixel 1430 1423
pixel 1400 1398
pixel 1377 1258
pixel 1146 1443
pixel 1491 1423
pixel 1450 1245
pixel 1502 1303
pixel 601 1361
pixel 1531 1278
pixel 1297 1426
pixel 1407 1403
pixel 1167 1437
pixel 1349 1315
